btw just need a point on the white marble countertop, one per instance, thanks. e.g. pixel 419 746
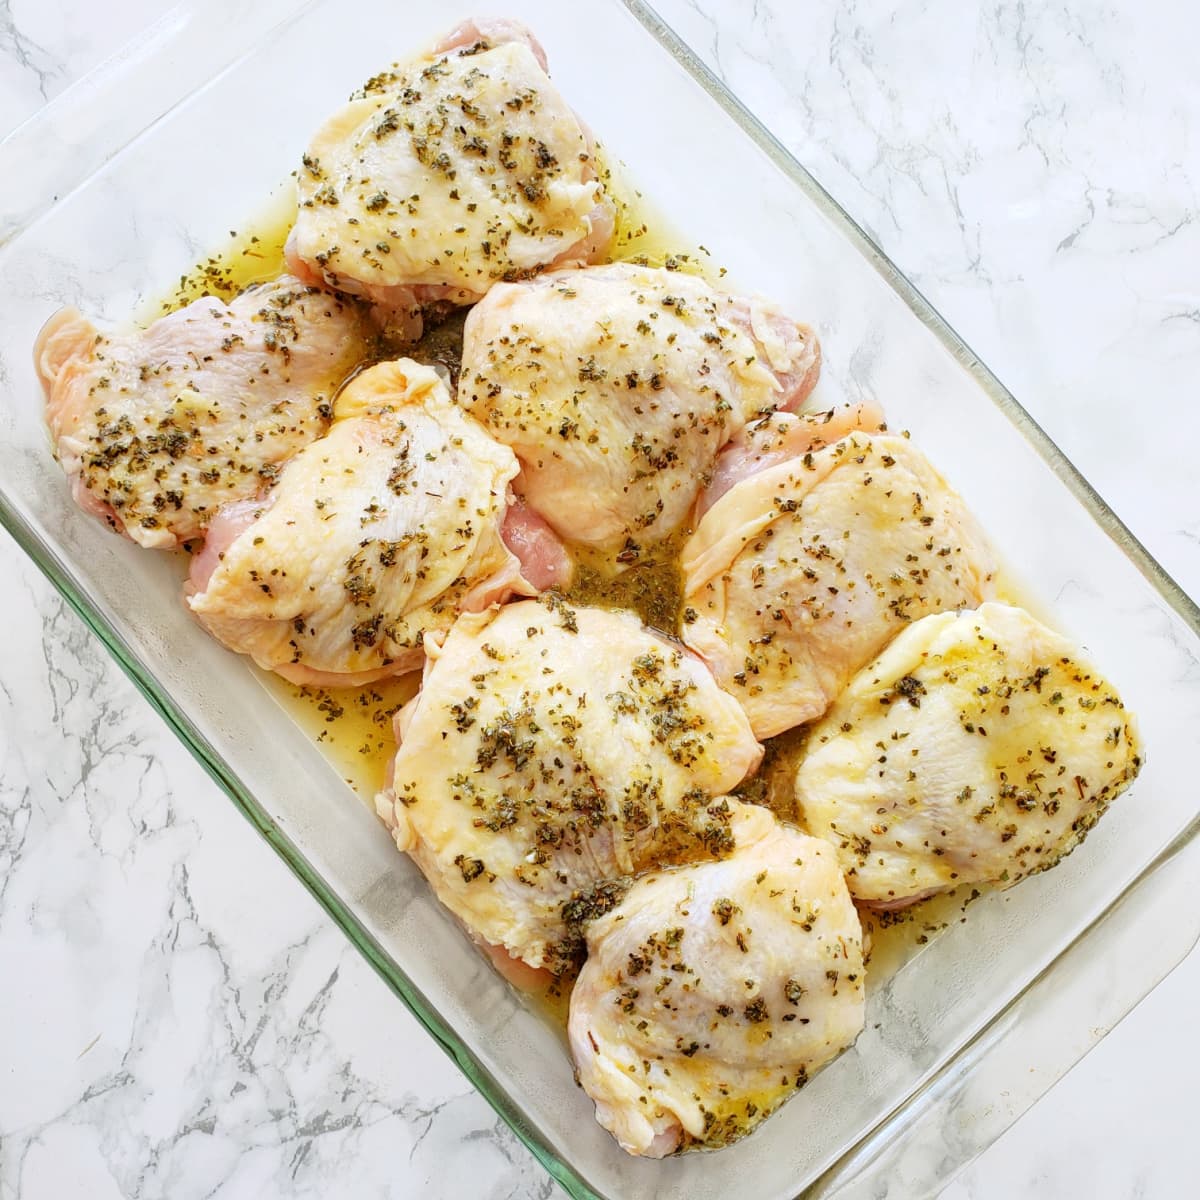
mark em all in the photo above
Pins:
pixel 178 1018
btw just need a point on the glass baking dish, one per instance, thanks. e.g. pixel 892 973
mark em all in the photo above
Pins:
pixel 117 188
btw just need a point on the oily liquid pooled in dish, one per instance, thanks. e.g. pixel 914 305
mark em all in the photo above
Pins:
pixel 253 254
pixel 896 938
pixel 651 587
pixel 644 235
pixel 351 727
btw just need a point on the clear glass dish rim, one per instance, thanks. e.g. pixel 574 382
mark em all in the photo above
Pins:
pixel 42 196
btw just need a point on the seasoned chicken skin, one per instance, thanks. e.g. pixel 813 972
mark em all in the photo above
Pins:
pixel 979 746
pixel 801 573
pixel 447 173
pixel 712 992
pixel 617 385
pixel 553 748
pixel 375 535
pixel 158 428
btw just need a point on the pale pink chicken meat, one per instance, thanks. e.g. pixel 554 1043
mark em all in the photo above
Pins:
pixel 617 385
pixel 453 170
pixel 551 750
pixel 545 562
pixel 375 536
pixel 803 571
pixel 158 428
pixel 713 991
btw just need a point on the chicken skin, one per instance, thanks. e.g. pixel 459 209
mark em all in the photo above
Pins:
pixel 449 172
pixel 158 428
pixel 617 385
pixel 979 746
pixel 713 991
pixel 802 572
pixel 375 536
pixel 553 749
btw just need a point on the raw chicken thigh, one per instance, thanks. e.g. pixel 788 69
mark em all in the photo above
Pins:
pixel 801 573
pixel 979 746
pixel 617 385
pixel 712 992
pixel 447 173
pixel 376 535
pixel 158 428
pixel 552 749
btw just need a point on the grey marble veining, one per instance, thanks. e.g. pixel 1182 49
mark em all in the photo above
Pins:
pixel 177 1017
pixel 46 47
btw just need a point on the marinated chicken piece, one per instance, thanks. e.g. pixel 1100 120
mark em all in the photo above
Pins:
pixel 979 746
pixel 617 385
pixel 551 750
pixel 801 573
pixel 712 992
pixel 374 537
pixel 158 428
pixel 447 173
